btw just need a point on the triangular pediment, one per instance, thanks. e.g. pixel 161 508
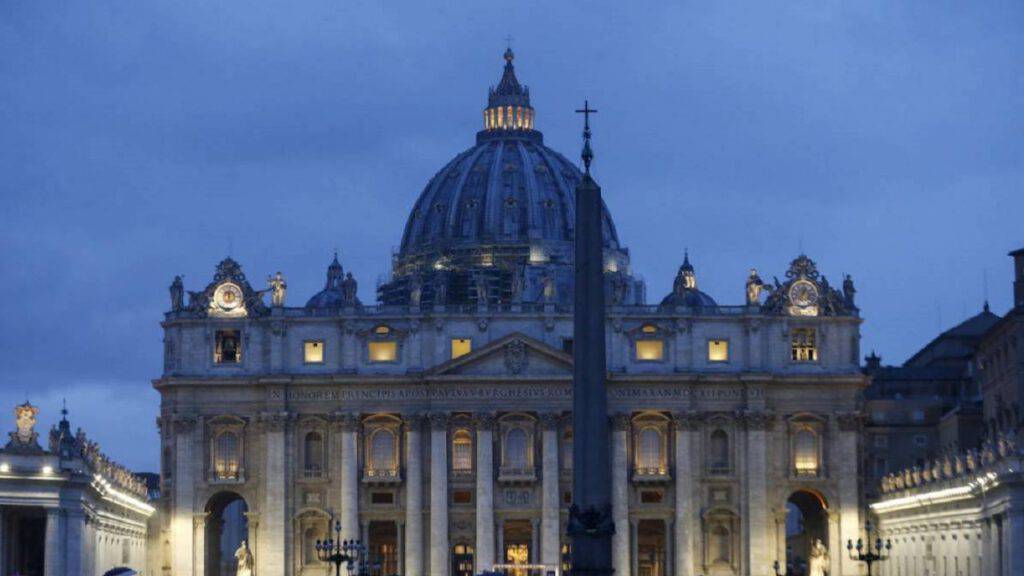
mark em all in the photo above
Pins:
pixel 513 356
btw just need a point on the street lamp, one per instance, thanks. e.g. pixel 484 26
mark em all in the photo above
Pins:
pixel 351 553
pixel 864 553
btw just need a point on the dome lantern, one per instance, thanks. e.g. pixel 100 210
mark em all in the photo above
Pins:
pixel 508 103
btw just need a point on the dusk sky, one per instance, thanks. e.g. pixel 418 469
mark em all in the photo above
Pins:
pixel 139 140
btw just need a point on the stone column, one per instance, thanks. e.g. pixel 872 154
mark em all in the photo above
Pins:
pixel 535 541
pixel 272 554
pixel 199 520
pixel 686 426
pixel 1013 538
pixel 757 425
pixel 186 435
pixel 848 433
pixel 780 538
pixel 550 549
pixel 414 496
pixel 484 558
pixel 439 494
pixel 348 424
pixel 53 559
pixel 620 494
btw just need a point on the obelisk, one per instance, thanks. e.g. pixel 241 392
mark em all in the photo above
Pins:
pixel 590 517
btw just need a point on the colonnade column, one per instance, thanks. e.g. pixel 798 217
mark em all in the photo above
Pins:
pixel 439 494
pixel 273 554
pixel 348 424
pixel 184 431
pixel 484 556
pixel 686 426
pixel 620 495
pixel 53 559
pixel 550 550
pixel 757 425
pixel 3 547
pixel 414 496
pixel 1013 541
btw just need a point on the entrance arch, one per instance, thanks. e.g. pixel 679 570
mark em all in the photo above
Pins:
pixel 806 522
pixel 226 528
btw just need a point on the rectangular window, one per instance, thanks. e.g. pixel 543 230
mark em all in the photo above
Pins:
pixel 462 497
pixel 804 344
pixel 228 347
pixel 651 497
pixel 383 351
pixel 313 352
pixel 650 350
pixel 382 497
pixel 461 347
pixel 718 350
pixel 567 345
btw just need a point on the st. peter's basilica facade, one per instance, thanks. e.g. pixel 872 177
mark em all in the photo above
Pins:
pixel 435 426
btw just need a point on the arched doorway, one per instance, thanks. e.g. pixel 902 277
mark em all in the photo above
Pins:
pixel 226 528
pixel 806 523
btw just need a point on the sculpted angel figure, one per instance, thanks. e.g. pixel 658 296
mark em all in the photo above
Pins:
pixel 754 286
pixel 177 290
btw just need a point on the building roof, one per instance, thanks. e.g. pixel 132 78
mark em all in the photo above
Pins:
pixel 956 344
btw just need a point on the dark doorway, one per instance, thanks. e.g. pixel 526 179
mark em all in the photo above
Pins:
pixel 651 546
pixel 226 528
pixel 383 546
pixel 25 548
pixel 806 522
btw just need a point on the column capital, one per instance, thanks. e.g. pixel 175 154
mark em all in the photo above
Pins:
pixel 439 420
pixel 550 420
pixel 485 421
pixel 413 421
pixel 274 421
pixel 849 421
pixel 620 421
pixel 199 519
pixel 756 420
pixel 687 421
pixel 182 423
pixel 345 421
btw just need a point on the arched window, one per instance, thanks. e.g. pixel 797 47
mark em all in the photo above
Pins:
pixel 382 451
pixel 314 455
pixel 462 451
pixel 805 451
pixel 567 449
pixel 650 450
pixel 515 449
pixel 226 458
pixel 719 451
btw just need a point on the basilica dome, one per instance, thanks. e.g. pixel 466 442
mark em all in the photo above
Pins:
pixel 499 216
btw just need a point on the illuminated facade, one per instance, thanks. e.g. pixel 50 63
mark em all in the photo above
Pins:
pixel 67 510
pixel 435 426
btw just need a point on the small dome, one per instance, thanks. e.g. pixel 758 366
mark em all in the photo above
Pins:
pixel 340 291
pixel 684 290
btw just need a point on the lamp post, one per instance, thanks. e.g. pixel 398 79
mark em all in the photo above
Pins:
pixel 351 553
pixel 867 554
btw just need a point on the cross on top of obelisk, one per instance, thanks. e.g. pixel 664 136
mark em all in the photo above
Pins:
pixel 588 154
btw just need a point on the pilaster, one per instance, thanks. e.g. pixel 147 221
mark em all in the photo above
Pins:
pixel 347 426
pixel 274 550
pixel 413 542
pixel 620 494
pixel 550 545
pixel 757 425
pixel 438 494
pixel 686 426
pixel 186 435
pixel 485 557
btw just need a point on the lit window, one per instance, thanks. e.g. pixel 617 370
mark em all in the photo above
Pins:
pixel 649 329
pixel 461 347
pixel 804 345
pixel 649 455
pixel 383 351
pixel 718 350
pixel 228 347
pixel 382 330
pixel 313 351
pixel 382 453
pixel 226 456
pixel 805 451
pixel 650 350
pixel 462 451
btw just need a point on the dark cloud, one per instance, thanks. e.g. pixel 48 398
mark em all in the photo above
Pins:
pixel 141 140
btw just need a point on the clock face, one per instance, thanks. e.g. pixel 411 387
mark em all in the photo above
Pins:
pixel 803 294
pixel 228 298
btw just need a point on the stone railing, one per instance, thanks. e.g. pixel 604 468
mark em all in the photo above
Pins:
pixel 962 464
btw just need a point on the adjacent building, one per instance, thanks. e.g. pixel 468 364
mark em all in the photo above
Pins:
pixel 435 425
pixel 67 509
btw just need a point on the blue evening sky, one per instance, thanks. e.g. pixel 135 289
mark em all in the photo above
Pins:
pixel 139 140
